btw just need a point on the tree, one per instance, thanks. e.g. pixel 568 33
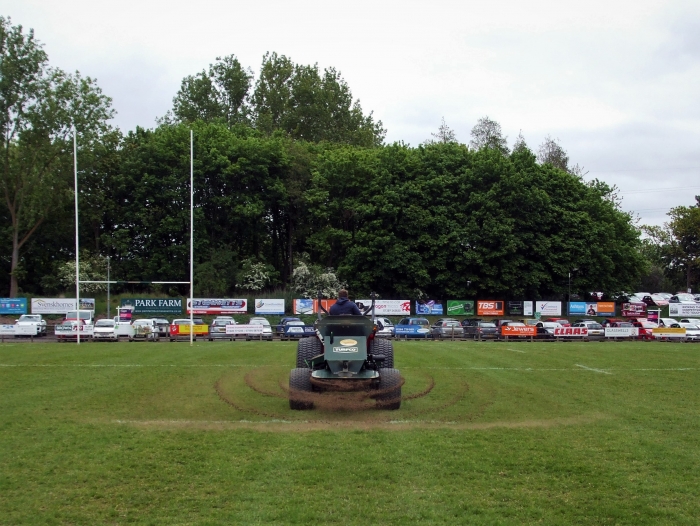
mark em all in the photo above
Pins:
pixel 300 101
pixel 444 134
pixel 551 152
pixel 684 250
pixel 220 93
pixel 38 107
pixel 520 145
pixel 487 134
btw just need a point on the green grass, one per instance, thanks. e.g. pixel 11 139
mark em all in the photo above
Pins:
pixel 511 433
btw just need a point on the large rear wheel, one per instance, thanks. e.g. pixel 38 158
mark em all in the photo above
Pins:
pixel 389 396
pixel 307 348
pixel 300 389
pixel 380 346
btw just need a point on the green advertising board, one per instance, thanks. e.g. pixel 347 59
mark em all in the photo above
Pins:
pixel 154 305
pixel 460 307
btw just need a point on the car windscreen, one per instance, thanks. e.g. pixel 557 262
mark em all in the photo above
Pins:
pixel 487 324
pixel 104 323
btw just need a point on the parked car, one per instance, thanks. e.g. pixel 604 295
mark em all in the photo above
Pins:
pixel 32 320
pixel 502 322
pixel 471 322
pixel 412 328
pixel 682 298
pixel 446 328
pixel 267 329
pixel 594 329
pixel 561 321
pixel 67 330
pixel 645 329
pixel 217 328
pixel 297 329
pixel 385 328
pixel 163 327
pixel 608 322
pixel 198 329
pixel 481 330
pixel 104 331
pixel 144 329
pixel 667 322
pixel 545 329
pixel 280 327
pixel 692 321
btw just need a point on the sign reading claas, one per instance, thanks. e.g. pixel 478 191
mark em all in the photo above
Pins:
pixel 154 305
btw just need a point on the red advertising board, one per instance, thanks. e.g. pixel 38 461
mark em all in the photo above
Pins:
pixel 490 308
pixel 518 330
pixel 634 310
pixel 571 331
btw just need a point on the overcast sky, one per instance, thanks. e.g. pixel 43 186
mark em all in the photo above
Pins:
pixel 616 82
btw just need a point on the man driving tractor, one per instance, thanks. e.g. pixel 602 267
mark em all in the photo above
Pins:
pixel 344 305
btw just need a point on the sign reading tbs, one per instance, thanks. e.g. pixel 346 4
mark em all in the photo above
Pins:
pixel 489 308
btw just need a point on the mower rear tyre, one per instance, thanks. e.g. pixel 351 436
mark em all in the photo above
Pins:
pixel 300 389
pixel 384 347
pixel 389 396
pixel 307 348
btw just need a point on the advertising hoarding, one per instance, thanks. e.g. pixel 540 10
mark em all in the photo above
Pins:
pixel 244 329
pixel 517 330
pixel 684 309
pixel 667 332
pixel 269 306
pixel 304 306
pixel 60 305
pixel 13 305
pixel 460 307
pixel 411 330
pixel 428 307
pixel 217 306
pixel 153 305
pixel 575 332
pixel 387 307
pixel 548 308
pixel 528 308
pixel 606 308
pixel 634 310
pixel 621 332
pixel 490 308
pixel 577 307
pixel 515 308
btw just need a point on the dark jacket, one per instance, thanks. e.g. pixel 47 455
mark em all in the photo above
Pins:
pixel 344 306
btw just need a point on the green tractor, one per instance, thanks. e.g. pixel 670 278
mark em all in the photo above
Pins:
pixel 345 356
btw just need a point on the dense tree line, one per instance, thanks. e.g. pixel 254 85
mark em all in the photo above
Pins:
pixel 289 170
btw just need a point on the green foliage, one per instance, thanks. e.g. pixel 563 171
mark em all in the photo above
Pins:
pixel 91 269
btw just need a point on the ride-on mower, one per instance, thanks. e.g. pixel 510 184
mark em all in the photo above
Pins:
pixel 345 356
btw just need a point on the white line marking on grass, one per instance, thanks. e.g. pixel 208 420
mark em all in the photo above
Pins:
pixel 592 369
pixel 517 350
pixel 126 365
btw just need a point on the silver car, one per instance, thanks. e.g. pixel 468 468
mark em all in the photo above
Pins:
pixel 447 328
pixel 266 330
pixel 104 331
pixel 217 328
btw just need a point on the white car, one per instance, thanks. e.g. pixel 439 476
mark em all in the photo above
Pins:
pixel 267 329
pixel 144 329
pixel 667 322
pixel 385 327
pixel 104 331
pixel 27 322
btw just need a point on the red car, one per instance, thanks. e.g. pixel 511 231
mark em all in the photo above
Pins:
pixel 560 321
pixel 645 329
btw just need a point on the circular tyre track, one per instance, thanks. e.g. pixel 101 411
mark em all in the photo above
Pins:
pixel 333 406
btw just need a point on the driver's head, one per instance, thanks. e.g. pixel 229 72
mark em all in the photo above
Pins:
pixel 342 293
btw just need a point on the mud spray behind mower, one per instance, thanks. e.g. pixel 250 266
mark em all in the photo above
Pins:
pixel 345 356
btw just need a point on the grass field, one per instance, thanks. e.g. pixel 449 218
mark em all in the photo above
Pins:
pixel 490 433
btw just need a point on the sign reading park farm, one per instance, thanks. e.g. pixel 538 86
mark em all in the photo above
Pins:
pixel 154 305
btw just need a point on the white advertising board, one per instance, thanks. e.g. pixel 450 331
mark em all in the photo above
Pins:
pixel 527 308
pixel 548 308
pixel 60 305
pixel 7 330
pixel 72 330
pixel 684 309
pixel 387 307
pixel 621 332
pixel 244 329
pixel 269 306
